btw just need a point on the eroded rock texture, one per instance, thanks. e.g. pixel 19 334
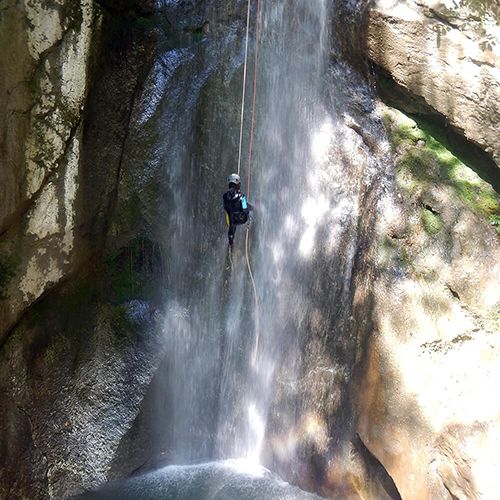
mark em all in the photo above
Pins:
pixel 422 396
pixel 43 89
pixel 80 253
pixel 446 53
pixel 75 362
pixel 424 410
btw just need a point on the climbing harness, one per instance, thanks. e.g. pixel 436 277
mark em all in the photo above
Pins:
pixel 249 166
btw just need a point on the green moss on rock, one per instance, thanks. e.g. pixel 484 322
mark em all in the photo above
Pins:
pixel 131 272
pixel 472 190
pixel 433 223
pixel 418 163
pixel 483 7
pixel 95 301
pixel 403 132
pixel 422 160
pixel 495 221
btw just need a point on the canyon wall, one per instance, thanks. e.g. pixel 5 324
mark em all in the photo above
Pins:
pixel 422 396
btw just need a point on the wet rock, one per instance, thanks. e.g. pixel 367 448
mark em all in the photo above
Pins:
pixel 75 368
pixel 53 224
pixel 82 196
pixel 140 6
pixel 71 386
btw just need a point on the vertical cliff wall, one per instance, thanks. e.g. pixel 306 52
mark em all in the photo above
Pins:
pixel 44 87
pixel 71 358
pixel 434 295
pixel 444 53
pixel 83 245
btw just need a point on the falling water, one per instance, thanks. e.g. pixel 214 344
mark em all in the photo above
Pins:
pixel 234 359
pixel 287 185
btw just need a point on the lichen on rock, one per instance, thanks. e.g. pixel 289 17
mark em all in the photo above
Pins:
pixel 42 161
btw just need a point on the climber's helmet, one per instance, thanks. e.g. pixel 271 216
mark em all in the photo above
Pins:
pixel 234 179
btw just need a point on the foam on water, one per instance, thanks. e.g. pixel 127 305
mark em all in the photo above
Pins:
pixel 227 480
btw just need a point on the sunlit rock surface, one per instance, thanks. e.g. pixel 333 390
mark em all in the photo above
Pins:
pixel 45 60
pixel 424 401
pixel 445 52
pixel 77 353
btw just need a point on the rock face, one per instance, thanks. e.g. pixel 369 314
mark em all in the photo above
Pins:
pixel 71 389
pixel 445 53
pixel 423 408
pixel 80 260
pixel 78 351
pixel 42 93
pixel 422 395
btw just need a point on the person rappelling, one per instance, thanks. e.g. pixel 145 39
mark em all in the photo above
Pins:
pixel 236 206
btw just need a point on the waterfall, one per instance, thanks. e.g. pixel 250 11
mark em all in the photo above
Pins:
pixel 224 399
pixel 287 184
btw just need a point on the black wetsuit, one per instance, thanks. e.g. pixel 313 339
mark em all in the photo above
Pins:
pixel 237 208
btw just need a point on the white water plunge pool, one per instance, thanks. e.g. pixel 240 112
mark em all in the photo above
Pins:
pixel 226 480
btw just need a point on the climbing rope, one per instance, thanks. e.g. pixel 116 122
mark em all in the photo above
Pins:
pixel 256 61
pixel 250 147
pixel 249 167
pixel 256 302
pixel 242 115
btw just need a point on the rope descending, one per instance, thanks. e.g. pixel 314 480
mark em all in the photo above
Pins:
pixel 250 149
pixel 242 116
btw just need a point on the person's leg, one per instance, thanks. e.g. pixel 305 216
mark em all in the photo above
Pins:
pixel 230 234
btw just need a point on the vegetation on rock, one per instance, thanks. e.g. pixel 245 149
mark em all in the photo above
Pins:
pixel 423 161
pixel 431 221
pixel 131 272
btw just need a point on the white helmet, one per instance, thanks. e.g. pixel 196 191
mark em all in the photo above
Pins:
pixel 234 179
